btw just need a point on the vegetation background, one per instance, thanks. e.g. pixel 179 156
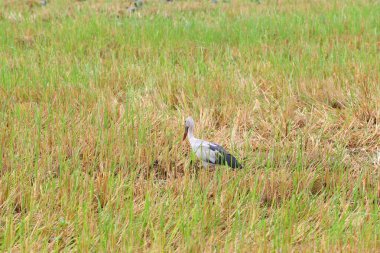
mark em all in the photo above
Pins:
pixel 93 99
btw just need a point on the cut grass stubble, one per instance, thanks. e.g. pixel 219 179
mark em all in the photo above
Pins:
pixel 92 102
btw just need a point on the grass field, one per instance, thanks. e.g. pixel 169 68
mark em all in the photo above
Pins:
pixel 92 107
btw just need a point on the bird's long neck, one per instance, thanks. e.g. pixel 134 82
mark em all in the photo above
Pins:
pixel 190 133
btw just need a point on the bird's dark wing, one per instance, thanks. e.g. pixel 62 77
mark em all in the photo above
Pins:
pixel 222 157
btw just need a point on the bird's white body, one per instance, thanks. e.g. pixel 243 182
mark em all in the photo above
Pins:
pixel 202 150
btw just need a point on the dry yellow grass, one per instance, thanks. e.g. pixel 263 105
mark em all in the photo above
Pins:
pixel 92 103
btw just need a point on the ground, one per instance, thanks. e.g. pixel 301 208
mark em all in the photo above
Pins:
pixel 93 99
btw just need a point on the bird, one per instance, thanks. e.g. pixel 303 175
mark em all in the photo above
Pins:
pixel 138 3
pixel 209 153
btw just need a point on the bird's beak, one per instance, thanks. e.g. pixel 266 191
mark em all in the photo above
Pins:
pixel 185 134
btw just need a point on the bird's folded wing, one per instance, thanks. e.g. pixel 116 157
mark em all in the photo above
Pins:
pixel 215 154
pixel 211 153
pixel 223 157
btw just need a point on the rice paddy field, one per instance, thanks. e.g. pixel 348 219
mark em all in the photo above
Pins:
pixel 93 98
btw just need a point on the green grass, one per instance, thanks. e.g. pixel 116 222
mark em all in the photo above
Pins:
pixel 92 109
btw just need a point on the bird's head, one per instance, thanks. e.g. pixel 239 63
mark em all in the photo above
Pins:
pixel 189 124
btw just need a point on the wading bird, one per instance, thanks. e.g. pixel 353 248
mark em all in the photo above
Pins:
pixel 210 153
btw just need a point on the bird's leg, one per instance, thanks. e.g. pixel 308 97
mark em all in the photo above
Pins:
pixel 208 166
pixel 205 164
